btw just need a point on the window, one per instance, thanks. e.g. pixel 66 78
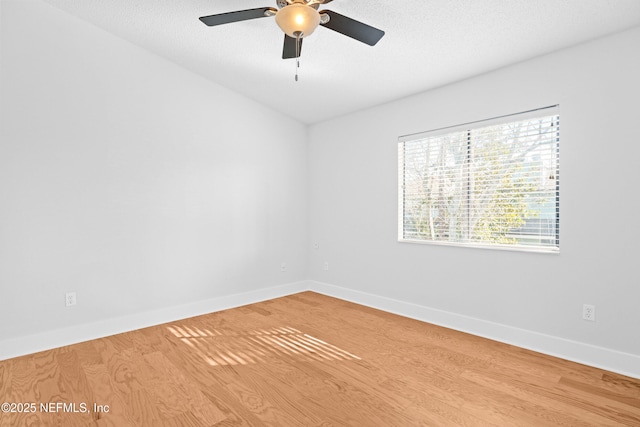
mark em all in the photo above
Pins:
pixel 494 183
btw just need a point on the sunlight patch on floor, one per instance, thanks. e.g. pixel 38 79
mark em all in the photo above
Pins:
pixel 220 348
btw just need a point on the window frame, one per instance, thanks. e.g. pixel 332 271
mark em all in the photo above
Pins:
pixel 553 110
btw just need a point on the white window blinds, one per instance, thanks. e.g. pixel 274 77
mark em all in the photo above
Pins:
pixel 494 183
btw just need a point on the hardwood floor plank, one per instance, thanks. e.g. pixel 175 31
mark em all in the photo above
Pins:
pixel 6 373
pixel 536 408
pixel 103 392
pixel 175 394
pixel 605 393
pixel 74 388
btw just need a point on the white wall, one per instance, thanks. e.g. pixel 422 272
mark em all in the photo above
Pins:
pixel 353 206
pixel 133 182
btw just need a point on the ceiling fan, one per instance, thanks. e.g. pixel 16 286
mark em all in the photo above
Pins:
pixel 298 19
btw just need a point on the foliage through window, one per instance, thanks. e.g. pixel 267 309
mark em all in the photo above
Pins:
pixel 493 183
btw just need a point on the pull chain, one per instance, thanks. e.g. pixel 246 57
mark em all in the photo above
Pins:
pixel 298 34
pixel 297 66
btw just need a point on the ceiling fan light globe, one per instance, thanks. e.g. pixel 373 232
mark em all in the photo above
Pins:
pixel 298 18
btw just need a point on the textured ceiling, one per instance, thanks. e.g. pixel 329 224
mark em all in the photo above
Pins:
pixel 428 43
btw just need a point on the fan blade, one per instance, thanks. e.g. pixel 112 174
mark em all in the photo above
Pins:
pixel 289 48
pixel 352 28
pixel 240 15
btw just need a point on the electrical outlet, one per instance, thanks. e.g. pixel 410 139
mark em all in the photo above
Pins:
pixel 283 267
pixel 589 312
pixel 316 245
pixel 70 299
pixel 326 265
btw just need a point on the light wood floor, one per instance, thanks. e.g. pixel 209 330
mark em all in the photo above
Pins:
pixel 311 360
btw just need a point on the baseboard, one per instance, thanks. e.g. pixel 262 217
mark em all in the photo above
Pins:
pixel 586 354
pixel 21 346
